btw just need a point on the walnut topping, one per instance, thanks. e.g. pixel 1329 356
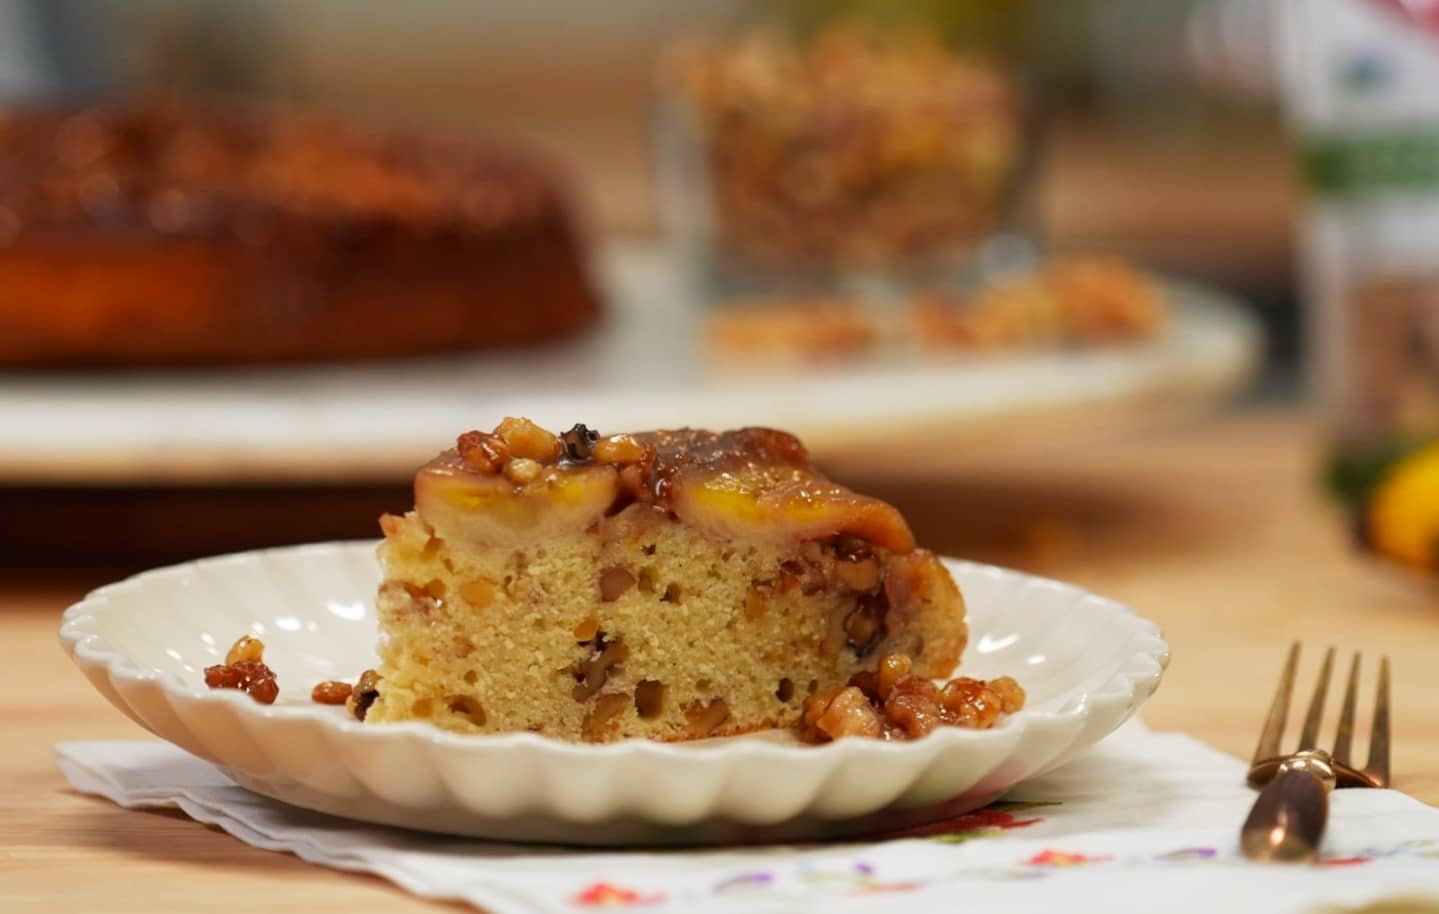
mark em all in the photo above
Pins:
pixel 522 470
pixel 619 449
pixel 591 673
pixel 706 717
pixel 892 668
pixel 244 669
pixel 331 692
pixel 249 676
pixel 913 708
pixel 890 703
pixel 746 482
pixel 364 694
pixel 246 648
pixel 846 712
pixel 527 440
pixel 483 451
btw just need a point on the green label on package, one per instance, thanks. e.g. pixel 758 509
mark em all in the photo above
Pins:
pixel 1360 163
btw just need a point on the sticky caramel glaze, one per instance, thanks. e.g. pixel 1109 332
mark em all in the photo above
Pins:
pixel 171 234
pixel 755 483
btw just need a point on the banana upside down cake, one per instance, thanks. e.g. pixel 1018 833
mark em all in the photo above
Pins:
pixel 670 585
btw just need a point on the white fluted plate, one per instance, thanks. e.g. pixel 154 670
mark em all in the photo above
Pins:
pixel 1087 663
pixel 645 367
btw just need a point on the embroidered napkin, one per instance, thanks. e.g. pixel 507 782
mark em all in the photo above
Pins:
pixel 1144 822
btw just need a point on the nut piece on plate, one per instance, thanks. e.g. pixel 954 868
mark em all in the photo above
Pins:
pixel 671 585
pixel 244 669
pixel 894 704
pixel 331 692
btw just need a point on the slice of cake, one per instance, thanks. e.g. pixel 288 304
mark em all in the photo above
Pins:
pixel 670 585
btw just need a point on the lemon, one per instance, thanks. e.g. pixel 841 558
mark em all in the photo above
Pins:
pixel 1404 510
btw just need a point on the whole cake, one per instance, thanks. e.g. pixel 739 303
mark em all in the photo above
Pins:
pixel 162 234
pixel 670 585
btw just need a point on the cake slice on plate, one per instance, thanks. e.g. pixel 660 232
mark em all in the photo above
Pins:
pixel 671 585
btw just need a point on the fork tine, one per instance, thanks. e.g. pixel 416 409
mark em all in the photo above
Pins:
pixel 1378 766
pixel 1309 738
pixel 1278 710
pixel 1344 741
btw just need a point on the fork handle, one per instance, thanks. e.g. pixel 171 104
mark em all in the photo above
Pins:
pixel 1286 824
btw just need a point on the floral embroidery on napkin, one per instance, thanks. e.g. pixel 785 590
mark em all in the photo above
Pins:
pixel 861 878
pixel 1186 854
pixel 989 822
pixel 604 895
pixel 1060 858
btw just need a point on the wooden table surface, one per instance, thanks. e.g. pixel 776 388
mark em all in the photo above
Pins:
pixel 1217 531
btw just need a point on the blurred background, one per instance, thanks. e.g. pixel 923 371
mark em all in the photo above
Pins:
pixel 1028 215
pixel 1157 122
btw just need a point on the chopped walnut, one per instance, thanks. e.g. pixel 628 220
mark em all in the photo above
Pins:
pixel 846 712
pixel 614 582
pixel 593 671
pixel 890 703
pixel 249 676
pixel 892 668
pixel 859 575
pixel 864 626
pixel 1011 694
pixel 706 717
pixel 913 707
pixel 244 669
pixel 851 548
pixel 528 441
pixel 331 692
pixel 523 470
pixel 246 648
pixel 483 451
pixel 618 449
pixel 755 603
pixel 364 694
pixel 605 710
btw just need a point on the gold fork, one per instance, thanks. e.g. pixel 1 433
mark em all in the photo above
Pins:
pixel 1287 821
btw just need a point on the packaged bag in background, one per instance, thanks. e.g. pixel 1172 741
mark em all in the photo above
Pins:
pixel 1362 91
